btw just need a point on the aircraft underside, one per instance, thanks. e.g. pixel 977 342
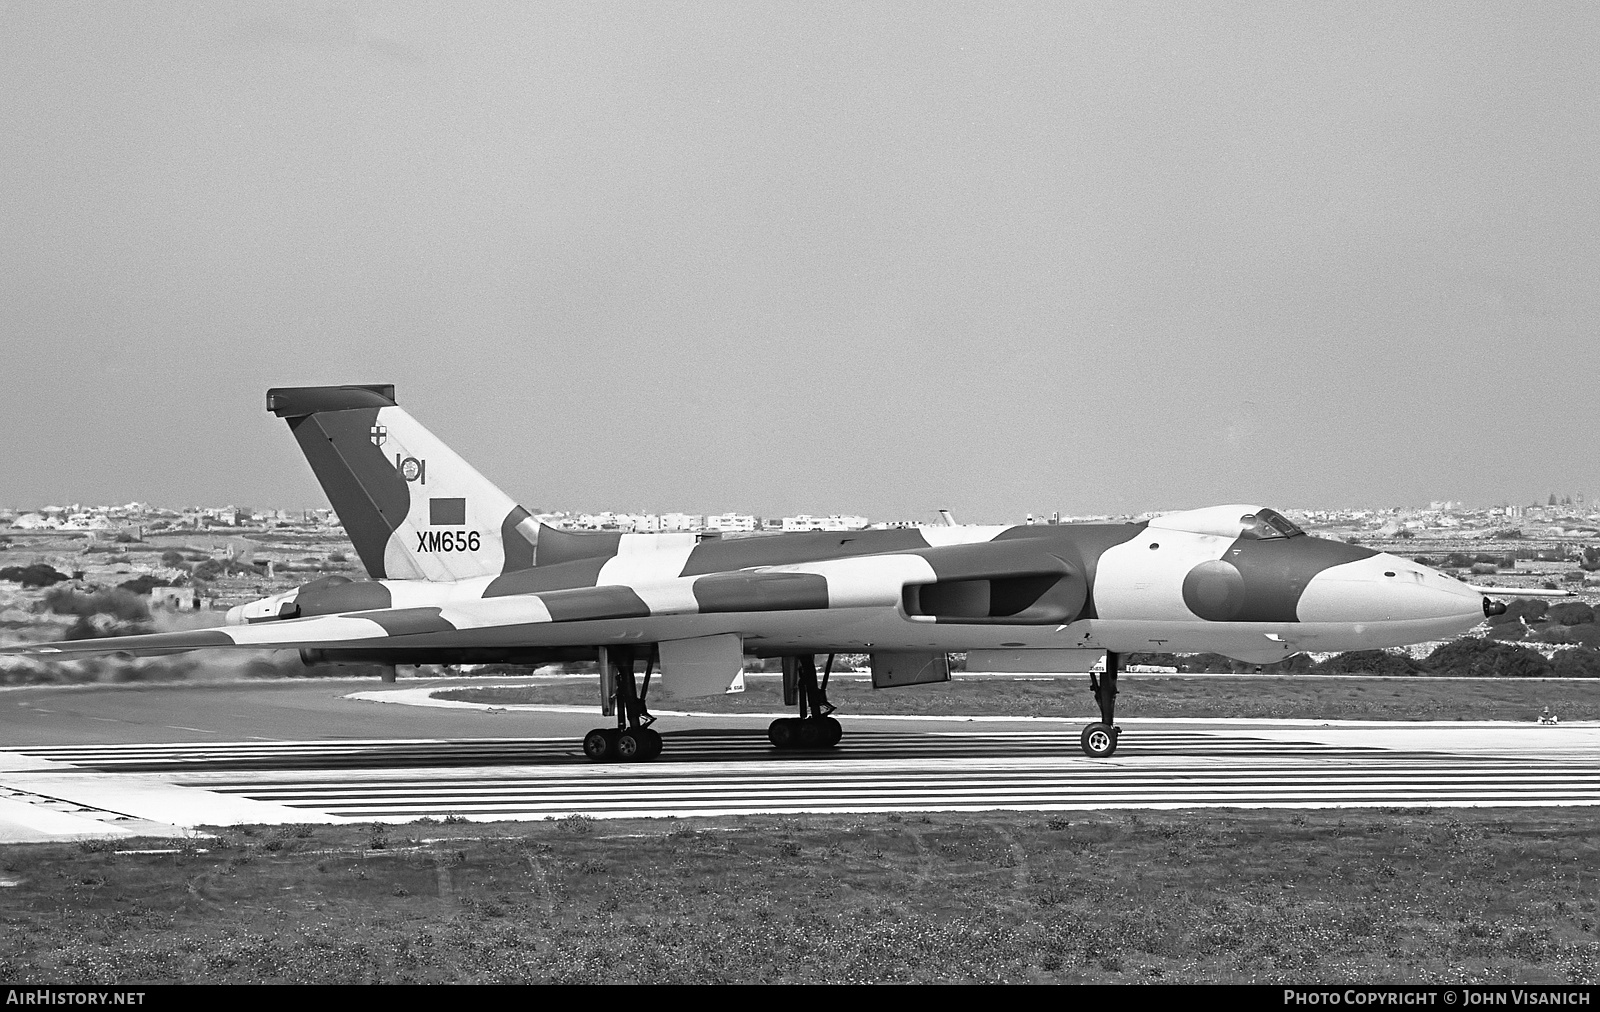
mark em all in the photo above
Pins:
pixel 864 630
pixel 903 650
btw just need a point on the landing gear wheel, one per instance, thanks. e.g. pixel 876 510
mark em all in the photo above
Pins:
pixel 832 731
pixel 599 744
pixel 1099 741
pixel 629 746
pixel 650 739
pixel 782 732
pixel 809 734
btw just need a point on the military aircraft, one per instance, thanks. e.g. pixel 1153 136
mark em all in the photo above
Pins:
pixel 459 573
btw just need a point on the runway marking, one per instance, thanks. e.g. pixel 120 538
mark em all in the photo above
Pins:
pixel 737 772
pixel 608 791
pixel 63 805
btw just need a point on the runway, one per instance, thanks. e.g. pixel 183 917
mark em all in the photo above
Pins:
pixel 720 766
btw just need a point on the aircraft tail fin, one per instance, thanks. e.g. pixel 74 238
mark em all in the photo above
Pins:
pixel 413 508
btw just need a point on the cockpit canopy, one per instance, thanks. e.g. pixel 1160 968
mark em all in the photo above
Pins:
pixel 1238 521
pixel 1265 524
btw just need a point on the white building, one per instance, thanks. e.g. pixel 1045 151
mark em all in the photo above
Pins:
pixel 731 522
pixel 681 522
pixel 629 522
pixel 834 522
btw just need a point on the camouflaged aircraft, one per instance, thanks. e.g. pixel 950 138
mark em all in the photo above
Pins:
pixel 461 574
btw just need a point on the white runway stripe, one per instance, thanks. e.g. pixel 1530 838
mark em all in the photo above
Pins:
pixel 868 784
pixel 949 782
pixel 761 801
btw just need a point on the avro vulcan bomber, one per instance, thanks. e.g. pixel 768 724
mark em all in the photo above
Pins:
pixel 461 574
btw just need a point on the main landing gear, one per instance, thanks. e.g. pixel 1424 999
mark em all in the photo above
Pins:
pixel 815 727
pixel 633 739
pixel 1099 741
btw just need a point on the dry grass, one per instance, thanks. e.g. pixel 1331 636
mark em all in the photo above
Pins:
pixel 1405 896
pixel 1294 696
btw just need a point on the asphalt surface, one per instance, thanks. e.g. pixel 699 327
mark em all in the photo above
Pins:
pixel 247 711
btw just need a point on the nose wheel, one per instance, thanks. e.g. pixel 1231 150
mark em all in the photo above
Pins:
pixel 1099 741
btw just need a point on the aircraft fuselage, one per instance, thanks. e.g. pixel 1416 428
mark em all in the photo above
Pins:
pixel 1122 587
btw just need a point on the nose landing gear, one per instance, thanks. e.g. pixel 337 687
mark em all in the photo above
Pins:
pixel 1099 741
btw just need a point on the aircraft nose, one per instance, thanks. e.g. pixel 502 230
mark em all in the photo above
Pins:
pixel 1387 588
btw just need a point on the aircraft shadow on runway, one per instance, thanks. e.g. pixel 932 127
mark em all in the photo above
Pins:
pixel 689 746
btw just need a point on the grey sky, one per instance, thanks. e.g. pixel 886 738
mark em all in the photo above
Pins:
pixel 877 258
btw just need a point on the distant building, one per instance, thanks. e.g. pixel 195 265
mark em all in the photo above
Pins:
pixel 835 522
pixel 732 522
pixel 85 522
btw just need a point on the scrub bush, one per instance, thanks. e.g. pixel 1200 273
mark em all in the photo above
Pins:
pixel 142 584
pixel 36 575
pixel 1571 613
pixel 1579 662
pixel 1487 658
pixel 1369 662
pixel 119 604
pixel 1588 635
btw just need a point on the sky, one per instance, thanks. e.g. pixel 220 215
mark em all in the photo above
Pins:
pixel 872 258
